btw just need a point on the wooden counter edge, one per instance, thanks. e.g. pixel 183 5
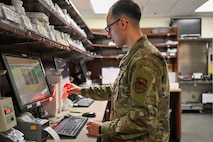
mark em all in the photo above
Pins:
pixel 176 90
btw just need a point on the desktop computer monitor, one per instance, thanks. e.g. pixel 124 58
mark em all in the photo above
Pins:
pixel 62 67
pixel 84 69
pixel 27 80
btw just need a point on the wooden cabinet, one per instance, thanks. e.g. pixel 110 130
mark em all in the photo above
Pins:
pixel 175 115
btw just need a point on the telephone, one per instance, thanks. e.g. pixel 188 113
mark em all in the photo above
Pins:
pixel 8 121
pixel 7 114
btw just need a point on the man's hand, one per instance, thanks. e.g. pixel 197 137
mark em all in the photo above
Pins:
pixel 93 128
pixel 70 88
pixel 74 89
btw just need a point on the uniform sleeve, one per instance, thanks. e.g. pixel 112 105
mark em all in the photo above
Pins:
pixel 140 119
pixel 98 92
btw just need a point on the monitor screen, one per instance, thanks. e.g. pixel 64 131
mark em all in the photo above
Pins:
pixel 27 79
pixel 187 27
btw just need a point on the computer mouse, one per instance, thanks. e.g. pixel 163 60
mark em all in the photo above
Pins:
pixel 89 114
pixel 67 115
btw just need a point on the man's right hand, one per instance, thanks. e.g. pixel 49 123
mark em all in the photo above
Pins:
pixel 70 88
pixel 74 89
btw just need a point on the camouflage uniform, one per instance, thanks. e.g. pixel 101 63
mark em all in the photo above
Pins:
pixel 139 97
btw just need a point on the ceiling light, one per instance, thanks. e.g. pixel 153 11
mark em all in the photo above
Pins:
pixel 206 7
pixel 102 6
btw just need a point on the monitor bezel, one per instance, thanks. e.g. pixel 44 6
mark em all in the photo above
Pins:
pixel 14 91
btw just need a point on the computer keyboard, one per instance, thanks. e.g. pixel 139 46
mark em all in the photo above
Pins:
pixel 70 126
pixel 83 102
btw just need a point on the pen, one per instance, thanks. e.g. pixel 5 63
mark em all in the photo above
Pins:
pixel 75 112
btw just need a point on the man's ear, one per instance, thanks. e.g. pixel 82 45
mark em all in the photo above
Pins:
pixel 123 23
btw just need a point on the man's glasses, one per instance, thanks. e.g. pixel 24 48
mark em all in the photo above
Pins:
pixel 108 27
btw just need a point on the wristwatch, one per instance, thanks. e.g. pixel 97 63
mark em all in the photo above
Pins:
pixel 99 129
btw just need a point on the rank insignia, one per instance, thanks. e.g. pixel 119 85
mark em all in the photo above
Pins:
pixel 140 84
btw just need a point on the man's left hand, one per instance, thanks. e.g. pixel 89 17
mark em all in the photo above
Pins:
pixel 93 128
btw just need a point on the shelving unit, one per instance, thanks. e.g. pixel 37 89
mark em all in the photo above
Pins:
pixel 102 47
pixel 164 38
pixel 30 42
pixel 194 58
pixel 192 94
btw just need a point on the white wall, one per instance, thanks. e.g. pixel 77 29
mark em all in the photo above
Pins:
pixel 207 28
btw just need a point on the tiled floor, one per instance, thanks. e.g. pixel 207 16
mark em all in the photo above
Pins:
pixel 197 127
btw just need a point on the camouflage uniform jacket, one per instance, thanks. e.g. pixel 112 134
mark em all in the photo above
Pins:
pixel 139 97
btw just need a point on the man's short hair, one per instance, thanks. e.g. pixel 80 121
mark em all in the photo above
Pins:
pixel 128 8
